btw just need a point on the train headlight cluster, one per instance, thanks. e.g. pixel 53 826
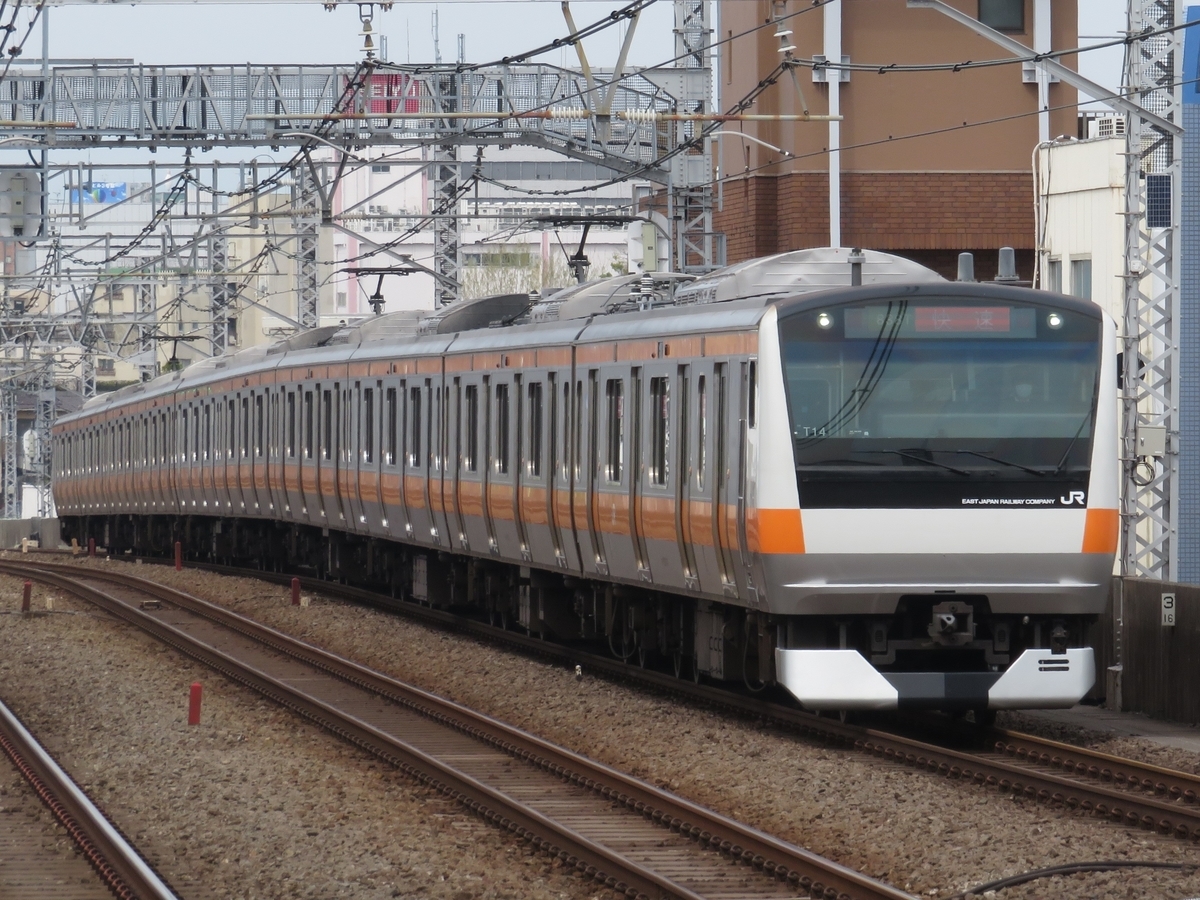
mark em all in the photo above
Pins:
pixel 1054 320
pixel 824 320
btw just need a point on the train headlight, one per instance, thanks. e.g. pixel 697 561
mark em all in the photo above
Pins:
pixel 824 320
pixel 1055 321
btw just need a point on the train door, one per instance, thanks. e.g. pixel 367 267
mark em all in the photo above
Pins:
pixel 258 448
pixel 310 483
pixel 489 460
pixel 417 462
pixel 441 500
pixel 698 508
pixel 391 508
pixel 458 535
pixel 724 514
pixel 558 469
pixel 535 474
pixel 504 532
pixel 587 471
pixel 747 466
pixel 356 469
pixel 617 417
pixel 517 465
pixel 326 397
pixel 682 458
pixel 637 474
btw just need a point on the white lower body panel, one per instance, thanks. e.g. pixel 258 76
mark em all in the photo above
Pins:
pixel 844 679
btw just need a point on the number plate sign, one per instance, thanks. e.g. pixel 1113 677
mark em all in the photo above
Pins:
pixel 1168 610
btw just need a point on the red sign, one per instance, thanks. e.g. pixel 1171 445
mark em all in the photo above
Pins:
pixel 962 319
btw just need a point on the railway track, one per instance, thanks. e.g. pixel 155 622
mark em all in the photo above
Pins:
pixel 1135 794
pixel 29 870
pixel 615 829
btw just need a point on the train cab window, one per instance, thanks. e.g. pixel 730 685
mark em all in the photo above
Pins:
pixel 368 425
pixel 702 419
pixel 502 406
pixel 259 420
pixel 472 429
pixel 326 423
pixel 390 403
pixel 290 436
pixel 614 391
pixel 660 410
pixel 535 429
pixel 414 446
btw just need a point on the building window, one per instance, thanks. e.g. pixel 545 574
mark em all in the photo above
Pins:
pixel 1081 278
pixel 106 366
pixel 1003 15
pixel 1053 276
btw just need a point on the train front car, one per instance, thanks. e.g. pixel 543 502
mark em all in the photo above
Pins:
pixel 955 457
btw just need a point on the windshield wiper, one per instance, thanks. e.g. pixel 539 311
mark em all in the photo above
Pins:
pixel 1004 462
pixel 921 459
pixel 1078 431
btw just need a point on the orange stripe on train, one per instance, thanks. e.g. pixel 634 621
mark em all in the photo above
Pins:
pixel 776 531
pixel 1101 530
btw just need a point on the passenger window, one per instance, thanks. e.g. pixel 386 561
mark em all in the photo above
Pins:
pixel 231 425
pixel 308 425
pixel 207 430
pixel 258 425
pixel 472 436
pixel 701 455
pixel 502 429
pixel 368 429
pixel 391 426
pixel 326 423
pixel 660 410
pixel 414 446
pixel 245 427
pixel 291 425
pixel 752 394
pixel 615 394
pixel 535 429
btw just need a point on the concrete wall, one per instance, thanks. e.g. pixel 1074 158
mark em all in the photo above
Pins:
pixel 13 530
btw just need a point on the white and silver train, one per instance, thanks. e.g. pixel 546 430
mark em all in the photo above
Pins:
pixel 899 493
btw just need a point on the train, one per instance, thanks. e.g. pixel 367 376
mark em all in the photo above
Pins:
pixel 830 472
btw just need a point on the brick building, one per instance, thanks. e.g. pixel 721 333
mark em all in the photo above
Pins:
pixel 909 178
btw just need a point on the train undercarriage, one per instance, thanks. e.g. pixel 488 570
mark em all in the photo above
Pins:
pixel 691 637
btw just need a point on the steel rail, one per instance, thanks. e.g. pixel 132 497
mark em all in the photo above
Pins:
pixel 115 860
pixel 776 859
pixel 1083 762
pixel 1181 819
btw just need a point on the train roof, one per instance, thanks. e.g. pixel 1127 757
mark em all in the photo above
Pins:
pixel 624 306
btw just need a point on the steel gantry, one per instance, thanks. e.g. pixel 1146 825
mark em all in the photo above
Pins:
pixel 1151 99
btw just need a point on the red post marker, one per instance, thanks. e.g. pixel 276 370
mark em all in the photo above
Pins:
pixel 295 592
pixel 178 556
pixel 91 546
pixel 194 703
pixel 26 595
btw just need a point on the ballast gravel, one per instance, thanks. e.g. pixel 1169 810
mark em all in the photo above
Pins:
pixel 254 802
pixel 226 802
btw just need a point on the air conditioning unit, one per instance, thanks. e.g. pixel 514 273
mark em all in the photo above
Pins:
pixel 1106 126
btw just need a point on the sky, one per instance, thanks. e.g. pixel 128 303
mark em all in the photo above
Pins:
pixel 306 33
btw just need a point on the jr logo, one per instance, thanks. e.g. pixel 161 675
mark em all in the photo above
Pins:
pixel 1073 498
